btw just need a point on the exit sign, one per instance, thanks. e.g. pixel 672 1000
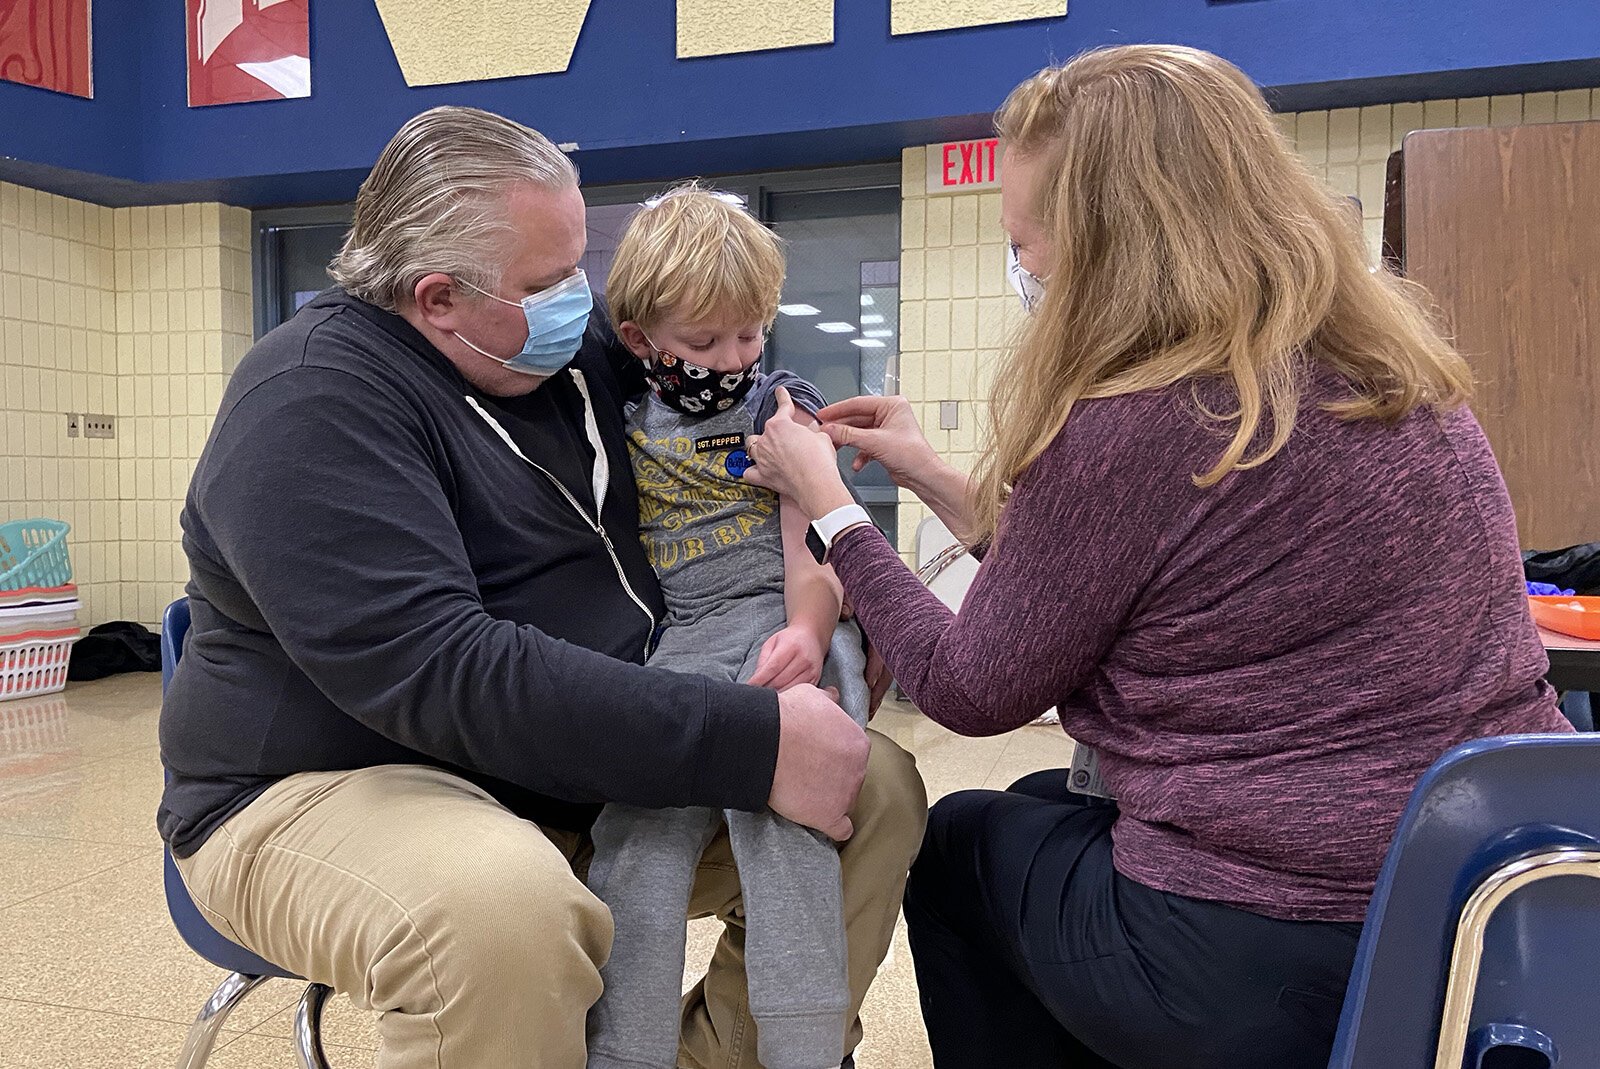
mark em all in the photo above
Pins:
pixel 957 166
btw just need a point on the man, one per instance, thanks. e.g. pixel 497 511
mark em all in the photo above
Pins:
pixel 420 609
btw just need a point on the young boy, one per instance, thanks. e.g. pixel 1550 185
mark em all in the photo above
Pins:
pixel 693 289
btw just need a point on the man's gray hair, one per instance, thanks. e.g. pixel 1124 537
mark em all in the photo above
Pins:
pixel 435 201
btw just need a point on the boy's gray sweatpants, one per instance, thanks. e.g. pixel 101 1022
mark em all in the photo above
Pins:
pixel 644 866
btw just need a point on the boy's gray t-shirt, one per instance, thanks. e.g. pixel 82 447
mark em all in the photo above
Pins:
pixel 712 538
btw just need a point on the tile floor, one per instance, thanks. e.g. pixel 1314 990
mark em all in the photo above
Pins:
pixel 92 974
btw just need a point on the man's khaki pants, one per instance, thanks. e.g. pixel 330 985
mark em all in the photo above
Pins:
pixel 421 898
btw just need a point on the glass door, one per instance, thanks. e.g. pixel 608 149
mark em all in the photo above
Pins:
pixel 292 249
pixel 838 326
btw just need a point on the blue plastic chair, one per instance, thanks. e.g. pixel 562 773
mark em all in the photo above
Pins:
pixel 1474 954
pixel 246 971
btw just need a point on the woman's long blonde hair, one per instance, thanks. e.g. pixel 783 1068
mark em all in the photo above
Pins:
pixel 1190 242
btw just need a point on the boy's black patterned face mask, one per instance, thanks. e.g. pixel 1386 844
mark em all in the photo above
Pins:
pixel 696 390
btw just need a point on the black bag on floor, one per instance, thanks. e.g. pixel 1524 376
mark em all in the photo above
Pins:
pixel 1576 568
pixel 119 646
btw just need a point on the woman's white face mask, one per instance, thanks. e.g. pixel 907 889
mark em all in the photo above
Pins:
pixel 1029 286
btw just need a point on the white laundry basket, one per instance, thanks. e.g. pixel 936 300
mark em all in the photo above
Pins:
pixel 35 664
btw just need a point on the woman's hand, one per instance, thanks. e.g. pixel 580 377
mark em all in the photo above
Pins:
pixel 886 430
pixel 798 462
pixel 882 429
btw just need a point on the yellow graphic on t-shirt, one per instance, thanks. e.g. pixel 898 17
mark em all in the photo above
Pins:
pixel 681 492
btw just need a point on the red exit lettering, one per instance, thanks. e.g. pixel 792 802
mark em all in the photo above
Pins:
pixel 969 163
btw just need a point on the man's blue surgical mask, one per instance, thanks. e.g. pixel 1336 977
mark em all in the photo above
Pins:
pixel 557 318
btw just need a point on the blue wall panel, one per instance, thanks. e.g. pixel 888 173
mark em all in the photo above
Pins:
pixel 639 112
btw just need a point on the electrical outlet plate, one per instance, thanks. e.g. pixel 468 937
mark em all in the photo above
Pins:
pixel 98 426
pixel 74 424
pixel 949 415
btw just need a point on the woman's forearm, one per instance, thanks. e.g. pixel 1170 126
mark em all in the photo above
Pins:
pixel 957 681
pixel 947 491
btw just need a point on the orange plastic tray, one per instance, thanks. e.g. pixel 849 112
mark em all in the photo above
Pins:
pixel 1568 615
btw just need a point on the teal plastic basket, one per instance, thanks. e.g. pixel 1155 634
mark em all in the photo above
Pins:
pixel 34 553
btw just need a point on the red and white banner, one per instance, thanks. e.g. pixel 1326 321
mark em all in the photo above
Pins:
pixel 243 50
pixel 46 43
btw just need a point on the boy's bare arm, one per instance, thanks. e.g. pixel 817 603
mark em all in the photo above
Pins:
pixel 812 596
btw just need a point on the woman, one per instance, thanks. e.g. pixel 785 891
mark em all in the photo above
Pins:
pixel 1242 532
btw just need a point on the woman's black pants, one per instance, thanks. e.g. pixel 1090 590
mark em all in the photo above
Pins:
pixel 1031 950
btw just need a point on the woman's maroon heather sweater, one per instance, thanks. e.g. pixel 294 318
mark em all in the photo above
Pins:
pixel 1266 666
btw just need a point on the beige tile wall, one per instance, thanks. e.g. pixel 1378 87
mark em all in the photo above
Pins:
pixel 183 320
pixel 957 308
pixel 1350 146
pixel 957 312
pixel 135 312
pixel 58 354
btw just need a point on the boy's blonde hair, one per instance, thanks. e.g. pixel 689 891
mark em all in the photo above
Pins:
pixel 691 255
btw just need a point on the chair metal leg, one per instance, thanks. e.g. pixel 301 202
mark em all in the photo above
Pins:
pixel 1466 959
pixel 308 1027
pixel 203 1033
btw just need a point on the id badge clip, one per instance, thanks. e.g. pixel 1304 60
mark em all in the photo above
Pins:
pixel 1084 776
